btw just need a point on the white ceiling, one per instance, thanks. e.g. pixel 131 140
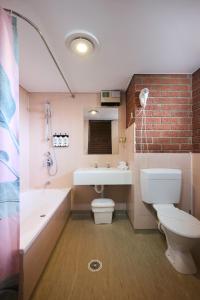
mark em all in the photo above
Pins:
pixel 136 36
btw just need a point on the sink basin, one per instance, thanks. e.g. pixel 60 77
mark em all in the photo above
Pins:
pixel 102 176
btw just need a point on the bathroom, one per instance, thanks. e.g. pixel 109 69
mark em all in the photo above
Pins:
pixel 144 57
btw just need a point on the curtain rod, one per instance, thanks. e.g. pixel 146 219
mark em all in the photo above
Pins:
pixel 12 12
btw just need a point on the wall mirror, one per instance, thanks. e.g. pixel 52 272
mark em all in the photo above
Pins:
pixel 101 128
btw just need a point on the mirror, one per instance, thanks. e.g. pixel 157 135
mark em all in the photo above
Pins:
pixel 101 130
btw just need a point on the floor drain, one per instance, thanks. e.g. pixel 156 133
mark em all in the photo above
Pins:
pixel 42 216
pixel 95 265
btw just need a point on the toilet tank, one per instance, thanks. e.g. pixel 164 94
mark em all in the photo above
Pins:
pixel 160 185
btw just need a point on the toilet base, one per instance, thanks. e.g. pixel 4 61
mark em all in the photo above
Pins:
pixel 179 252
pixel 181 261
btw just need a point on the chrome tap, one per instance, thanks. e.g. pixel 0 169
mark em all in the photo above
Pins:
pixel 48 162
pixel 95 165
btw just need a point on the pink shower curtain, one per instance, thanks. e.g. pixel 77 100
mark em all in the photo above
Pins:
pixel 9 157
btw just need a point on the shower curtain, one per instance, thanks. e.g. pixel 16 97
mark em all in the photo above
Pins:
pixel 9 157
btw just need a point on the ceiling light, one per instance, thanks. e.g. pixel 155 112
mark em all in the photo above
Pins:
pixel 81 42
pixel 93 111
pixel 81 46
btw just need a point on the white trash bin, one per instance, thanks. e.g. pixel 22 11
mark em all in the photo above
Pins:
pixel 103 210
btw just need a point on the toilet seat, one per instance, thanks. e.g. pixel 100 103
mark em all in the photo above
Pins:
pixel 178 221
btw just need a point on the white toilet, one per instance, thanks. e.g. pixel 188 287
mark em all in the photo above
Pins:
pixel 162 189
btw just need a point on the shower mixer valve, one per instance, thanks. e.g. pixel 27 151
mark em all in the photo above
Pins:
pixel 48 162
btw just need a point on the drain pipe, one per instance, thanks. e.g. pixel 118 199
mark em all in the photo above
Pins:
pixel 99 189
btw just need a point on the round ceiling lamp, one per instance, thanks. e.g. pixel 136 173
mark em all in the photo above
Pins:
pixel 81 46
pixel 93 111
pixel 81 43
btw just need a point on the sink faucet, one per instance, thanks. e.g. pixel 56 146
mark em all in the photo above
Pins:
pixel 95 165
pixel 107 165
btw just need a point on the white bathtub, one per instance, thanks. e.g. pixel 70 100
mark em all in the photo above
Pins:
pixel 43 216
pixel 36 209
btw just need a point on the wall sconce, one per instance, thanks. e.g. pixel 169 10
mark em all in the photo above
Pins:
pixel 122 140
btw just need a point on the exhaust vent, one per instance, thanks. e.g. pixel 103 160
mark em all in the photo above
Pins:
pixel 110 98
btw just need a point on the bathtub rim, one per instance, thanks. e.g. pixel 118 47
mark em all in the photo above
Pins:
pixel 44 223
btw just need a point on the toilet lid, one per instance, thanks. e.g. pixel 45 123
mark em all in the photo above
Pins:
pixel 179 222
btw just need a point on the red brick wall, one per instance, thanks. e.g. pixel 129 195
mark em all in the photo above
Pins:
pixel 196 110
pixel 168 112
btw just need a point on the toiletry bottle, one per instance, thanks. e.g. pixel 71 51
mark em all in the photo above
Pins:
pixel 56 140
pixel 67 140
pixel 64 140
pixel 60 140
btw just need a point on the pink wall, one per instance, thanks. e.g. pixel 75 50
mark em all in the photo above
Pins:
pixel 24 138
pixel 67 116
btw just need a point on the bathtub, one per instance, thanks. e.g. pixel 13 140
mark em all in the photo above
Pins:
pixel 43 214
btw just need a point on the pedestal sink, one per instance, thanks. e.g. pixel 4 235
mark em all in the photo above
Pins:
pixel 102 176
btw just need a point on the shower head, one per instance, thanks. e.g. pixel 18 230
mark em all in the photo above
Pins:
pixel 143 96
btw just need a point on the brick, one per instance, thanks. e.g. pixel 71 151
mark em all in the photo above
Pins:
pixel 142 140
pixel 149 133
pixel 186 147
pixel 178 107
pixel 181 127
pixel 161 87
pixel 181 140
pixel 161 140
pixel 181 114
pixel 170 121
pixel 164 80
pixel 167 121
pixel 171 100
pixel 177 133
pixel 148 120
pixel 185 120
pixel 154 126
pixel 148 147
pixel 171 147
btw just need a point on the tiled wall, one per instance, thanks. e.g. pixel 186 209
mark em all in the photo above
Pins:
pixel 168 114
pixel 196 110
